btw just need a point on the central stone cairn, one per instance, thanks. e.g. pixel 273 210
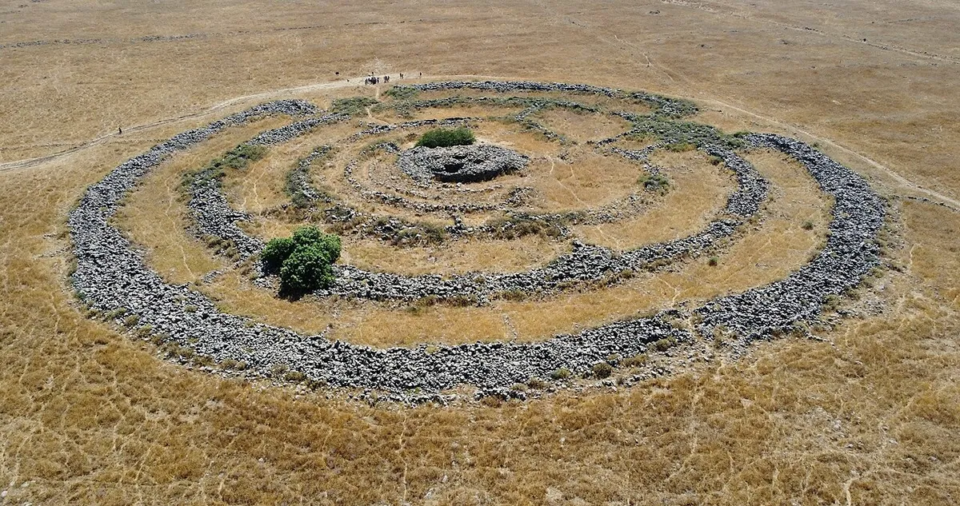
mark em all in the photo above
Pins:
pixel 459 164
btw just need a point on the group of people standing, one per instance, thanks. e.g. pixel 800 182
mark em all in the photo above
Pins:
pixel 377 79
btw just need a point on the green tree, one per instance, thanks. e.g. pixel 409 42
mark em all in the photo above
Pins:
pixel 307 268
pixel 305 261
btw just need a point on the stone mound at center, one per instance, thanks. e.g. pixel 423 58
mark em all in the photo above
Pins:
pixel 460 164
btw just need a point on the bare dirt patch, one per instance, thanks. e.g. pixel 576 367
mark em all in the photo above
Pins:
pixel 582 127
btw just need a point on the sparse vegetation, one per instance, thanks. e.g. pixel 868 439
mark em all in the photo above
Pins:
pixel 293 183
pixel 353 105
pixel 681 147
pixel 294 376
pixel 536 383
pixel 513 295
pixel 665 344
pixel 237 159
pixel 635 361
pixel 656 183
pixel 831 302
pixel 602 370
pixel 680 136
pixel 419 234
pixel 401 93
pixel 517 226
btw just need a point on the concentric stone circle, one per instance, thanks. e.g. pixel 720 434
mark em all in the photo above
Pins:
pixel 112 276
pixel 584 265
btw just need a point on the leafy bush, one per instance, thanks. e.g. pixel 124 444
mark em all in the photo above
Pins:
pixel 305 261
pixel 654 182
pixel 307 268
pixel 276 251
pixel 446 137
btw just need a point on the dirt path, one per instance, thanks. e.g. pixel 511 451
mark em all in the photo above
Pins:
pixel 906 183
pixel 614 40
pixel 351 82
pixel 951 203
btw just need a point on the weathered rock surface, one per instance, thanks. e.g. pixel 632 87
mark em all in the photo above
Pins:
pixel 851 251
pixel 460 164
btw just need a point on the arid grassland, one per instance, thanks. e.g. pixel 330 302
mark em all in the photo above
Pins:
pixel 866 411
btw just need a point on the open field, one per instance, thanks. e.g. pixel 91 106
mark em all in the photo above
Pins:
pixel 867 414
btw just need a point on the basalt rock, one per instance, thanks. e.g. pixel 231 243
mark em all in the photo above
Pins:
pixel 460 164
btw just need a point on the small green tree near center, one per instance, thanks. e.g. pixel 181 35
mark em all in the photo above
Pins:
pixel 304 261
pixel 446 137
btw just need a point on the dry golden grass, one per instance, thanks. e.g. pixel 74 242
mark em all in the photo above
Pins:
pixel 582 127
pixel 585 179
pixel 260 187
pixel 89 416
pixel 157 212
pixel 777 246
pixel 697 192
